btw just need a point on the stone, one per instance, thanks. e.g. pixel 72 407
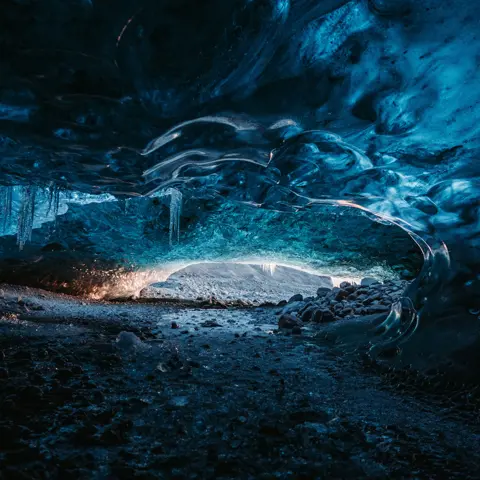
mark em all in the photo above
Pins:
pixel 210 324
pixel 287 321
pixel 323 291
pixel 55 247
pixel 344 285
pixel 368 281
pixel 296 298
pixel 296 330
pixel 308 314
pixel 293 307
pixel 377 309
pixel 64 374
pixel 323 316
pixel 341 295
pixel 327 316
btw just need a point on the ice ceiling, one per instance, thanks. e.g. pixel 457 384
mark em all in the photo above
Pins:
pixel 283 106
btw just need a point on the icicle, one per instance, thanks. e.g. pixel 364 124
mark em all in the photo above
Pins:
pixel 269 267
pixel 26 215
pixel 6 195
pixel 53 199
pixel 176 198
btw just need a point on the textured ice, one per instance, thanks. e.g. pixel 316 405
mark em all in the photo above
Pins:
pixel 284 105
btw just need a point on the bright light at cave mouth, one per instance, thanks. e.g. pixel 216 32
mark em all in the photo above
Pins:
pixel 234 279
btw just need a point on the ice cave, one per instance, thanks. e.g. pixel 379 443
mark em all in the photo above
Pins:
pixel 239 239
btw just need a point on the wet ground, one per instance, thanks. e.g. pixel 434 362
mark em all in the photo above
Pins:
pixel 96 390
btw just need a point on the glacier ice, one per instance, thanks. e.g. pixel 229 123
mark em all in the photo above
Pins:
pixel 26 214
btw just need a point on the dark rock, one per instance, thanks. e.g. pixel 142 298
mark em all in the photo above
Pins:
pixel 10 437
pixel 296 330
pixel 287 321
pixel 77 370
pixel 282 303
pixel 21 355
pixel 296 298
pixel 55 247
pixel 24 455
pixel 323 316
pixel 368 281
pixel 323 291
pixel 210 324
pixel 293 307
pixel 344 285
pixel 341 295
pixel 377 309
pixel 117 434
pixel 85 434
pixel 308 313
pixel 64 374
pixel 372 298
pixel 175 325
pixel 30 394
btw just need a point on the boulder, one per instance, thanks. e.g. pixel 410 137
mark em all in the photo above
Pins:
pixel 293 307
pixel 323 316
pixel 296 298
pixel 367 281
pixel 288 321
pixel 308 314
pixel 323 291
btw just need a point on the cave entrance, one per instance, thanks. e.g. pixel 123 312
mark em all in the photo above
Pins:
pixel 251 282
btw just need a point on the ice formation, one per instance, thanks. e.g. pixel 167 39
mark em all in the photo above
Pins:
pixel 281 105
pixel 26 215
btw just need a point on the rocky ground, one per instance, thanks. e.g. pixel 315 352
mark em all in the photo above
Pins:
pixel 348 300
pixel 126 390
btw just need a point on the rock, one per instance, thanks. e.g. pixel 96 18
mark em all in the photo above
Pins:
pixel 323 316
pixel 344 285
pixel 293 307
pixel 323 291
pixel 55 247
pixel 296 298
pixel 64 374
pixel 307 314
pixel 287 321
pixel 281 303
pixel 30 394
pixel 368 281
pixel 372 298
pixel 341 295
pixel 175 325
pixel 377 309
pixel 296 330
pixel 210 324
pixel 128 340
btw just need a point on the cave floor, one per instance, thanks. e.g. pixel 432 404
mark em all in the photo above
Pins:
pixel 222 395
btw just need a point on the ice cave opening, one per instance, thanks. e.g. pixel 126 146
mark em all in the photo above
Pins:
pixel 239 237
pixel 247 281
